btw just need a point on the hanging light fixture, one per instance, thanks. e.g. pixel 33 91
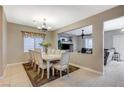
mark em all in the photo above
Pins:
pixel 42 26
pixel 122 30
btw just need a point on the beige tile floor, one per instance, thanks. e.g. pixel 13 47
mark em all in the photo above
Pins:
pixel 15 76
pixel 113 77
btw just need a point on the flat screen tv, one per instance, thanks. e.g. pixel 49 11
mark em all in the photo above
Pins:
pixel 65 47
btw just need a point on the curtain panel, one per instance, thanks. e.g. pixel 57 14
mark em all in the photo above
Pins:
pixel 33 34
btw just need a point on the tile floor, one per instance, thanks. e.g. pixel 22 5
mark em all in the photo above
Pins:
pixel 113 77
pixel 15 76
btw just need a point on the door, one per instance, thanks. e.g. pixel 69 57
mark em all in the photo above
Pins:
pixel 118 44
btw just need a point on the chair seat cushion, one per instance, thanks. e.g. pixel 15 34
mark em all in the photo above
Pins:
pixel 44 66
pixel 58 66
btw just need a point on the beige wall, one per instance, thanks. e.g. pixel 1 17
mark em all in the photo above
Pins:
pixel 15 42
pixel 95 60
pixel 78 43
pixel 3 41
pixel 1 63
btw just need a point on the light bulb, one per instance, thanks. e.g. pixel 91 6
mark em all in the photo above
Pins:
pixel 39 27
pixel 43 26
pixel 49 27
pixel 122 29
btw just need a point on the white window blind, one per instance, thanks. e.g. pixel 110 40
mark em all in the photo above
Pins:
pixel 88 43
pixel 31 43
pixel 37 41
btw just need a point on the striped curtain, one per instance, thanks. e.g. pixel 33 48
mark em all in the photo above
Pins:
pixel 33 34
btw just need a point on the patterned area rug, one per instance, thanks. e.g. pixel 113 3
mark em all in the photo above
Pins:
pixel 35 78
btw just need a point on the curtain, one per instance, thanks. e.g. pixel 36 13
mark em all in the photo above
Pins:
pixel 33 34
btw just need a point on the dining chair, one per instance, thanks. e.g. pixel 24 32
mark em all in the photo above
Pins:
pixel 31 58
pixel 52 51
pixel 57 52
pixel 62 51
pixel 38 49
pixel 41 64
pixel 48 50
pixel 62 65
pixel 35 64
pixel 110 55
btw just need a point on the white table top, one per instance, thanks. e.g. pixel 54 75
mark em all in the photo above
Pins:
pixel 51 57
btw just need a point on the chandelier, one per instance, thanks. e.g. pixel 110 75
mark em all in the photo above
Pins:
pixel 42 25
pixel 122 30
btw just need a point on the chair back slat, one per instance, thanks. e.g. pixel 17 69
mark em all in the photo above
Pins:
pixel 48 50
pixel 61 52
pixel 30 55
pixel 38 58
pixel 52 51
pixel 65 59
pixel 38 49
pixel 35 57
pixel 111 52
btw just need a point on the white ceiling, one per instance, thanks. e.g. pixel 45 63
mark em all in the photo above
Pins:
pixel 110 25
pixel 57 16
pixel 114 24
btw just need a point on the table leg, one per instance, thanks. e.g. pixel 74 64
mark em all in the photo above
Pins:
pixel 48 69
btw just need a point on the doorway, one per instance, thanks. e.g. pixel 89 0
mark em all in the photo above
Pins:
pixel 118 44
pixel 113 41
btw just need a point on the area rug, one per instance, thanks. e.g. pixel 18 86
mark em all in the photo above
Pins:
pixel 36 79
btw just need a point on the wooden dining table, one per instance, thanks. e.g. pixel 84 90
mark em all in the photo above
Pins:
pixel 49 58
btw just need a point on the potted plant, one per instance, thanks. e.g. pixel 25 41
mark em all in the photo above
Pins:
pixel 45 45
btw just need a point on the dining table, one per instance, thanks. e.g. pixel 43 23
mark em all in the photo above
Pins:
pixel 48 59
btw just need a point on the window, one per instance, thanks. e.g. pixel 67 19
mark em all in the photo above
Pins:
pixel 37 41
pixel 32 43
pixel 88 43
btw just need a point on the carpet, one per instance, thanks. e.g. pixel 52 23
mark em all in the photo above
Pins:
pixel 36 79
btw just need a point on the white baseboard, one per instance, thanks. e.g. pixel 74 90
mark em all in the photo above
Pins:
pixel 12 64
pixel 4 73
pixel 82 67
pixel 88 69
